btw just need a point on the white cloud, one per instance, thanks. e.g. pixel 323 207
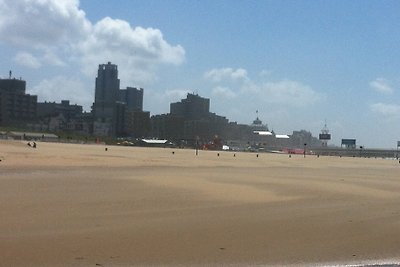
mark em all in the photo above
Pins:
pixel 63 88
pixel 389 110
pixel 290 93
pixel 51 58
pixel 228 74
pixel 137 51
pixel 59 32
pixel 381 85
pixel 224 92
pixel 27 60
pixel 175 95
pixel 41 23
pixel 236 83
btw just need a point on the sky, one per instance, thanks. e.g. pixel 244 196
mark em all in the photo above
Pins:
pixel 298 63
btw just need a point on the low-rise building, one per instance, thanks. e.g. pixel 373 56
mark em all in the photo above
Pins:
pixel 51 109
pixel 32 136
pixel 137 124
pixel 167 126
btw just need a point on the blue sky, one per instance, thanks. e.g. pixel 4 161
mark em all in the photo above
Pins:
pixel 298 63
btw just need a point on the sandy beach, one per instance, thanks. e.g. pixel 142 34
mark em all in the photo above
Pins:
pixel 80 205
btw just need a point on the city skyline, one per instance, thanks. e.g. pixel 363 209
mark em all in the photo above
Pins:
pixel 297 63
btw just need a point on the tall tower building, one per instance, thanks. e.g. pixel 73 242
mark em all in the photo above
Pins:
pixel 105 108
pixel 325 136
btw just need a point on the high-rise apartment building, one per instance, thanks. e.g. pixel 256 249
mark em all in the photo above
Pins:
pixel 105 109
pixel 189 119
pixel 117 112
pixel 193 107
pixel 16 107
pixel 132 97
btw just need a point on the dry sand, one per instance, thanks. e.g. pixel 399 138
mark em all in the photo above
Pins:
pixel 79 205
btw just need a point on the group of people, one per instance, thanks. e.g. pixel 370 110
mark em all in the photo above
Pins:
pixel 32 144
